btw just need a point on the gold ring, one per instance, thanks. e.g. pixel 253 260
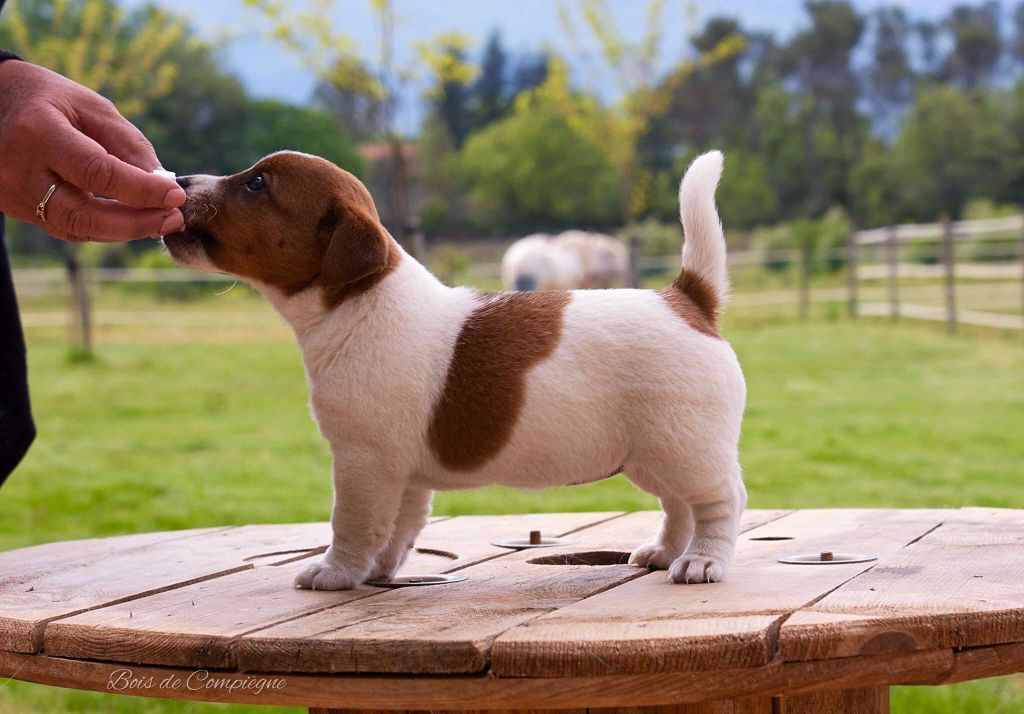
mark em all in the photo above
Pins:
pixel 41 208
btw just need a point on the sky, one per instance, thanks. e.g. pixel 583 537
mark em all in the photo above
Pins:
pixel 526 25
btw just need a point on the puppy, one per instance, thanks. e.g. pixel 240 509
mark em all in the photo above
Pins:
pixel 418 386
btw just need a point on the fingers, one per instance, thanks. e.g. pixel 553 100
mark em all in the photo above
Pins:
pixel 119 137
pixel 84 163
pixel 74 215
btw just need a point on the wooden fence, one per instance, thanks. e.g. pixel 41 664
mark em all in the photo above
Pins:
pixel 890 272
pixel 934 248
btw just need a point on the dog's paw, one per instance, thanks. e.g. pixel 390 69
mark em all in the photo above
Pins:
pixel 321 575
pixel 652 555
pixel 697 568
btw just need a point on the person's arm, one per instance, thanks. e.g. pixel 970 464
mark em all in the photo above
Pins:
pixel 56 133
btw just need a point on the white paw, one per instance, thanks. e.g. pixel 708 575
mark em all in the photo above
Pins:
pixel 324 576
pixel 697 568
pixel 652 555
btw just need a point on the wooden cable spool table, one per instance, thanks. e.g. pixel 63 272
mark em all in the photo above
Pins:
pixel 211 615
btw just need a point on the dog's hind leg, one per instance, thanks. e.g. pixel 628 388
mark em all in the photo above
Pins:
pixel 412 516
pixel 716 514
pixel 673 537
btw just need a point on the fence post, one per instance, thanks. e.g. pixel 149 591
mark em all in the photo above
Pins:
pixel 1021 255
pixel 805 279
pixel 894 273
pixel 81 317
pixel 851 274
pixel 414 239
pixel 635 277
pixel 948 260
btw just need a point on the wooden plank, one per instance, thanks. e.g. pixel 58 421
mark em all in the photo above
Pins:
pixel 866 700
pixel 91 574
pixel 475 691
pixel 650 625
pixel 746 705
pixel 198 625
pixel 961 585
pixel 450 628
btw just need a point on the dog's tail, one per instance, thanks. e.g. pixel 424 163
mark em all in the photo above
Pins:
pixel 704 278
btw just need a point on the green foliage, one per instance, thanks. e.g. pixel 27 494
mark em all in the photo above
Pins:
pixel 532 170
pixel 124 56
pixel 274 125
pixel 745 197
pixel 951 148
pixel 657 238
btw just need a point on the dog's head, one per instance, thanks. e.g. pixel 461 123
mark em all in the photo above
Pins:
pixel 292 221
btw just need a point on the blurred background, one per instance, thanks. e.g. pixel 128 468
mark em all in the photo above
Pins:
pixel 871 200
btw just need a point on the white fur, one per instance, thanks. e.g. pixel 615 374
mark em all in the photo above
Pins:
pixel 630 385
pixel 704 249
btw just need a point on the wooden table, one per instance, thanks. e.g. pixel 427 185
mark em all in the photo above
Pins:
pixel 211 615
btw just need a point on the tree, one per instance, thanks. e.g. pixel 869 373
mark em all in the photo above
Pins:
pixel 123 57
pixel 307 30
pixel 818 62
pixel 197 126
pixel 445 58
pixel 620 127
pixel 532 170
pixel 489 94
pixel 951 147
pixel 977 44
pixel 890 79
pixel 274 125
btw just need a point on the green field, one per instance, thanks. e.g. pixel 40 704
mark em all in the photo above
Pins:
pixel 183 426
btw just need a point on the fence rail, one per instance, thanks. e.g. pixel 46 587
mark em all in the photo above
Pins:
pixel 875 267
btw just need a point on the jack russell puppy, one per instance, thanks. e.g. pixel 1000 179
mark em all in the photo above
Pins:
pixel 418 386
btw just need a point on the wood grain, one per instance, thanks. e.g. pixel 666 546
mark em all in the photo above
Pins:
pixel 198 625
pixel 487 692
pixel 450 629
pixel 960 585
pixel 58 580
pixel 650 625
pixel 865 700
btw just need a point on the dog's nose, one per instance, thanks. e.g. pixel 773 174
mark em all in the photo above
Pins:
pixel 184 181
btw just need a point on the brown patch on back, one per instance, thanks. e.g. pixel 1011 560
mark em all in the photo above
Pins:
pixel 486 384
pixel 692 298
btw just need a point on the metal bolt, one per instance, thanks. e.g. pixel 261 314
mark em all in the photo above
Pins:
pixel 535 538
pixel 826 555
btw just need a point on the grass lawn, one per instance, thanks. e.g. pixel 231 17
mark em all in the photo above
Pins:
pixel 205 429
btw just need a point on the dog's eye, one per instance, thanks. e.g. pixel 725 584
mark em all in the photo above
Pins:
pixel 257 184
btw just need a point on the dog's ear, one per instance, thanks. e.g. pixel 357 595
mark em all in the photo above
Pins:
pixel 359 248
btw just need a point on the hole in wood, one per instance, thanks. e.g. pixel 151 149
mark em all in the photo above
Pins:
pixel 773 538
pixel 594 557
pixel 439 553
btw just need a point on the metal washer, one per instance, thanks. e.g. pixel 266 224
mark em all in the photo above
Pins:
pixel 523 543
pixel 836 559
pixel 409 581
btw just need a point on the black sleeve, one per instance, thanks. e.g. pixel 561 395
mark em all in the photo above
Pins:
pixel 17 429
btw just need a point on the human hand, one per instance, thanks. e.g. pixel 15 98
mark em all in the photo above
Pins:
pixel 54 131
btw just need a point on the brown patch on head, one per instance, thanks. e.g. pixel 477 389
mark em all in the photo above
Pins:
pixel 692 298
pixel 291 221
pixel 486 384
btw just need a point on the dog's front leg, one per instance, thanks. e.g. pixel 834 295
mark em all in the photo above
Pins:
pixel 366 502
pixel 412 516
